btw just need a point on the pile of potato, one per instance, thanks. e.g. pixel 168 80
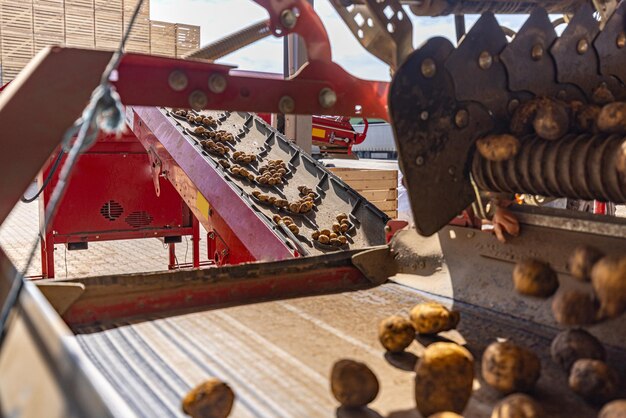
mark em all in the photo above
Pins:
pixel 240 171
pixel 307 192
pixel 326 237
pixel 207 121
pixel 243 158
pixel 224 163
pixel 289 223
pixel 301 205
pixel 210 146
pixel 270 200
pixel 272 172
pixel 181 112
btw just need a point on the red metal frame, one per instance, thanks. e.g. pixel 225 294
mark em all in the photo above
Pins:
pixel 112 197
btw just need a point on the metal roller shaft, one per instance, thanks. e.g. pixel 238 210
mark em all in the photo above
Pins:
pixel 575 166
pixel 448 7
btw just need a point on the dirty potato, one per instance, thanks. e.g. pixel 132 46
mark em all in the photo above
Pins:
pixel 443 379
pixel 615 409
pixel 498 147
pixel 551 120
pixel 521 121
pixel 341 216
pixel 517 405
pixel 396 333
pixel 608 277
pixel 574 344
pixel 211 399
pixel 324 239
pixel 574 307
pixel 353 384
pixel 445 415
pixel 621 159
pixel 433 318
pixel 532 277
pixel 612 118
pixel 593 380
pixel 582 260
pixel 294 228
pixel 510 368
pixel 315 235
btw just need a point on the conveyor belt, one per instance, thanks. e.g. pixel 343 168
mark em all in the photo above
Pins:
pixel 277 356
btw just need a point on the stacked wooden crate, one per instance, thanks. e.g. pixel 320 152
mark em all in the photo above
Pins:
pixel 16 31
pixel 187 39
pixel 27 26
pixel 380 187
pixel 163 38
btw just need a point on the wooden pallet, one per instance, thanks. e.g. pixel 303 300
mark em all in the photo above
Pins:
pixel 380 187
pixel 187 39
pixel 163 38
pixel 48 23
pixel 109 19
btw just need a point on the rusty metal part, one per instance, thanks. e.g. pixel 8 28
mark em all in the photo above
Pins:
pixel 381 27
pixel 610 44
pixel 576 167
pixel 232 42
pixel 447 7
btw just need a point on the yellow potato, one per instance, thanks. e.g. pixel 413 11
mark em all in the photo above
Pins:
pixel 315 235
pixel 211 399
pixel 517 405
pixel 532 277
pixel 608 278
pixel 353 384
pixel 498 147
pixel 443 379
pixel 396 333
pixel 433 318
pixel 574 307
pixel 615 409
pixel 510 368
pixel 445 415
pixel 581 262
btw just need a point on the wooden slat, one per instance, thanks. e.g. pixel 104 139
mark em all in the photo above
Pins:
pixel 49 23
pixel 380 195
pixel 370 184
pixel 187 39
pixel 393 214
pixel 163 38
pixel 367 174
pixel 386 204
pixel 108 28
pixel 79 23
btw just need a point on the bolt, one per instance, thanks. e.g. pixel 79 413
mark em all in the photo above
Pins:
pixel 327 98
pixel 512 106
pixel 621 40
pixel 178 80
pixel 387 229
pixel 485 60
pixel 217 83
pixel 537 52
pixel 286 105
pixel 422 264
pixel 424 115
pixel 461 119
pixel 419 160
pixel 198 100
pixel 288 18
pixel 582 47
pixel 429 68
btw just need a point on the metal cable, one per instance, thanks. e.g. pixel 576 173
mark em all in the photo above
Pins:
pixel 104 112
pixel 45 183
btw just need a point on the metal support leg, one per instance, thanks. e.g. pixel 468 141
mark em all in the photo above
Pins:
pixel 172 249
pixel 196 242
pixel 47 257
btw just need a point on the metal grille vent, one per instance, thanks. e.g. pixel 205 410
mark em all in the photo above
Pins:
pixel 139 219
pixel 111 210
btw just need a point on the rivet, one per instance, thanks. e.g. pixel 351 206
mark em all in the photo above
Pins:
pixel 424 115
pixel 286 105
pixel 461 119
pixel 288 18
pixel 217 83
pixel 537 52
pixel 419 160
pixel 582 47
pixel 485 60
pixel 429 68
pixel 178 80
pixel 198 100
pixel 327 98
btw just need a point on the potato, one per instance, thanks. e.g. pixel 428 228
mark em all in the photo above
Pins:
pixel 324 239
pixel 521 121
pixel 608 277
pixel 443 379
pixel 353 384
pixel 396 333
pixel 621 159
pixel 325 232
pixel 517 405
pixel 341 216
pixel 574 307
pixel 433 318
pixel 315 235
pixel 510 368
pixel 445 415
pixel 335 242
pixel 336 227
pixel 532 277
pixel 343 240
pixel 498 147
pixel 615 409
pixel 575 344
pixel 582 260
pixel 612 118
pixel 551 120
pixel 593 380
pixel 211 399
pixel 333 235
pixel 294 228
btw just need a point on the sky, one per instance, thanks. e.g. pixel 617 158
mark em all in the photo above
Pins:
pixel 218 18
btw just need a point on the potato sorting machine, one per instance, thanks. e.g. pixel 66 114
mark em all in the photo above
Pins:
pixel 277 307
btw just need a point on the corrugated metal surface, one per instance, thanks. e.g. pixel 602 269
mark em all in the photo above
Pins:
pixel 379 138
